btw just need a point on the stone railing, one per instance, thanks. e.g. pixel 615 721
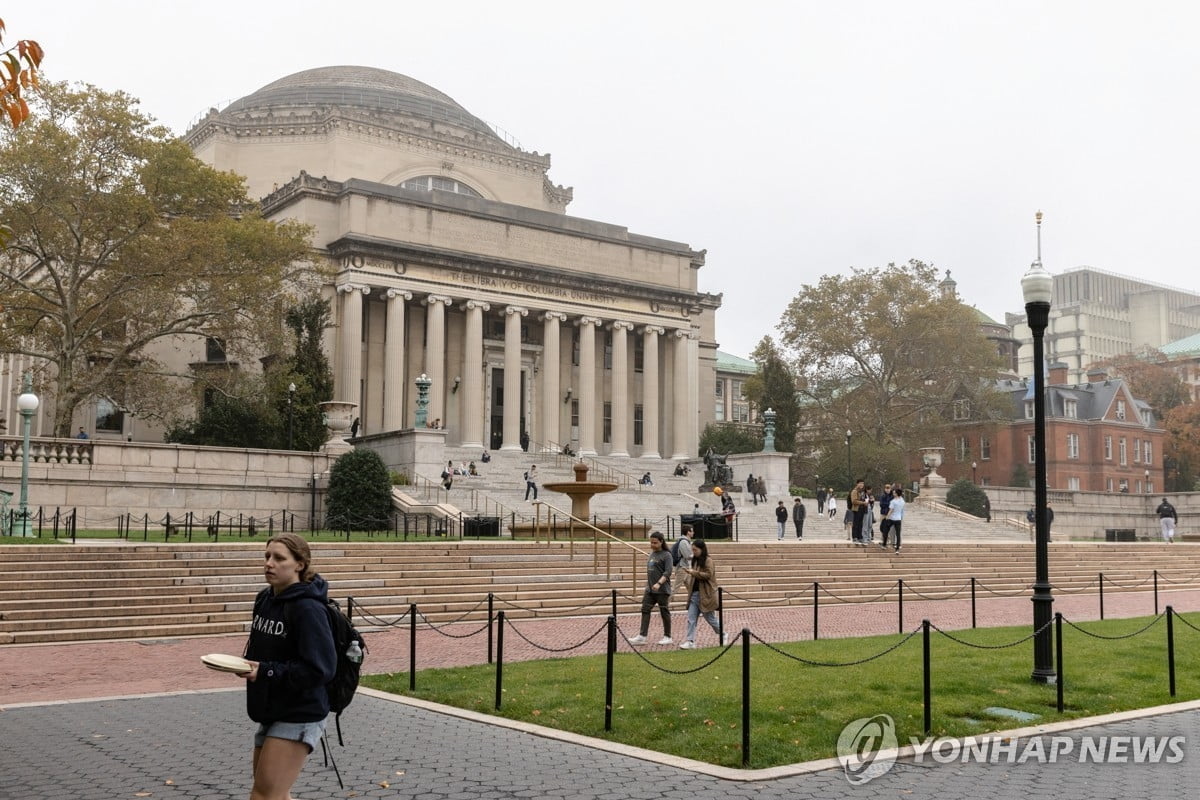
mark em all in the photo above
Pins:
pixel 47 451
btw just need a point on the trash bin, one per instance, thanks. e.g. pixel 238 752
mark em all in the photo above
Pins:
pixel 707 526
pixel 481 526
pixel 1120 535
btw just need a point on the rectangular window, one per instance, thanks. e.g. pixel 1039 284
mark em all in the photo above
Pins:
pixel 1124 486
pixel 639 354
pixel 1072 445
pixel 985 448
pixel 1032 451
pixel 608 423
pixel 1122 450
pixel 741 412
pixel 1120 409
pixel 575 414
pixel 962 448
pixel 1108 484
pixel 1071 409
pixel 719 411
pixel 1028 409
pixel 109 418
pixel 1073 484
pixel 214 350
pixel 1149 487
pixel 962 409
pixel 637 423
pixel 1108 451
pixel 735 389
pixel 719 387
pixel 1137 451
pixel 1147 454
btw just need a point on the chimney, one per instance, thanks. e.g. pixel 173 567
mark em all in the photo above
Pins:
pixel 1097 375
pixel 1057 374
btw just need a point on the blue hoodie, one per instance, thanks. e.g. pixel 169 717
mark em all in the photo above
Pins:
pixel 291 640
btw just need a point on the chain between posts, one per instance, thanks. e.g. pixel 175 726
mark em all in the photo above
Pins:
pixel 977 646
pixel 1138 632
pixel 812 663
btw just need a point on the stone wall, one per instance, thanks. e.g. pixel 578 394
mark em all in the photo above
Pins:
pixel 1090 514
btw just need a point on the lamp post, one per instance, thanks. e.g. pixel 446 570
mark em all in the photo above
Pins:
pixel 849 471
pixel 291 427
pixel 27 404
pixel 974 466
pixel 1146 483
pixel 1037 286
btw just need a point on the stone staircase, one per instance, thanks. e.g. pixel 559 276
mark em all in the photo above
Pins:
pixel 129 591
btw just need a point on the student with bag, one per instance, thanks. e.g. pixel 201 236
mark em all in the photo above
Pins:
pixel 702 594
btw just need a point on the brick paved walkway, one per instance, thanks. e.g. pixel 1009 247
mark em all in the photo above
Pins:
pixel 196 745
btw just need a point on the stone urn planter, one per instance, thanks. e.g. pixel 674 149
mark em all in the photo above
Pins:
pixel 339 415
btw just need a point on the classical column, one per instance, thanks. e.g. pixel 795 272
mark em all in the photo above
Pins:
pixel 620 389
pixel 650 335
pixel 512 377
pixel 693 394
pixel 393 360
pixel 350 337
pixel 587 385
pixel 551 399
pixel 435 354
pixel 679 396
pixel 472 385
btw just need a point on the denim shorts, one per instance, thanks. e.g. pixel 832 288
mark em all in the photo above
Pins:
pixel 308 732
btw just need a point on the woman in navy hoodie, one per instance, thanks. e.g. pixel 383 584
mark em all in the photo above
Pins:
pixel 292 659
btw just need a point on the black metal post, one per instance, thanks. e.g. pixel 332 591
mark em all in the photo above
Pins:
pixel 972 602
pixel 816 609
pixel 745 697
pixel 1101 595
pixel 1156 593
pixel 491 622
pixel 499 657
pixel 1057 647
pixel 721 612
pixel 1038 316
pixel 849 471
pixel 900 603
pixel 926 684
pixel 614 602
pixel 291 427
pixel 412 646
pixel 1171 649
pixel 608 672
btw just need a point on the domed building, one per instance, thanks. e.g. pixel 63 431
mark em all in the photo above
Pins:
pixel 452 255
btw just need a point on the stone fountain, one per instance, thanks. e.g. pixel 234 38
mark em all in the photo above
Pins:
pixel 581 490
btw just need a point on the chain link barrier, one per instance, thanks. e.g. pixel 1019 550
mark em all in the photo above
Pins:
pixel 1139 632
pixel 978 646
pixel 1129 586
pixel 923 596
pixel 545 649
pixel 438 628
pixel 642 656
pixel 539 611
pixel 998 593
pixel 1179 617
pixel 874 599
pixel 1080 590
pixel 1165 579
pixel 812 663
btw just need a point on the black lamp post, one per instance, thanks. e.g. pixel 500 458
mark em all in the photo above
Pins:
pixel 1037 286
pixel 291 427
pixel 849 471
pixel 974 466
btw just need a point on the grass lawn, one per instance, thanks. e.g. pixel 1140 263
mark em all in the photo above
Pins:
pixel 798 710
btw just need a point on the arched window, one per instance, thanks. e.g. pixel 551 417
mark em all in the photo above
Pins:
pixel 427 183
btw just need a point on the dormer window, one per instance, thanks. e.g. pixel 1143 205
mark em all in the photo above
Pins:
pixel 1071 408
pixel 1120 409
pixel 962 409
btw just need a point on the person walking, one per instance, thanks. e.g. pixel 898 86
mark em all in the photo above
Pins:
pixel 831 504
pixel 448 476
pixel 885 500
pixel 658 590
pixel 291 656
pixel 895 516
pixel 531 481
pixel 1166 520
pixel 781 517
pixel 821 500
pixel 752 488
pixel 760 488
pixel 703 599
pixel 681 559
pixel 856 511
pixel 798 513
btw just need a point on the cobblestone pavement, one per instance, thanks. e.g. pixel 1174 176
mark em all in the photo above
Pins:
pixel 197 744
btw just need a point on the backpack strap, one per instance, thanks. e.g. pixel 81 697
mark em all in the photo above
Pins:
pixel 329 758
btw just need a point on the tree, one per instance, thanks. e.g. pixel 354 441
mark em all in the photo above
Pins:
pixel 123 242
pixel 231 421
pixel 725 439
pixel 774 387
pixel 1182 446
pixel 967 497
pixel 884 353
pixel 19 75
pixel 308 368
pixel 360 492
pixel 1020 477
pixel 1149 379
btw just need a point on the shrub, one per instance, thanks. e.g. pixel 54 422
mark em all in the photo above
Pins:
pixel 360 492
pixel 967 497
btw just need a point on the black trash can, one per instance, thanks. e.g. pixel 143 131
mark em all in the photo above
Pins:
pixel 1120 535
pixel 481 526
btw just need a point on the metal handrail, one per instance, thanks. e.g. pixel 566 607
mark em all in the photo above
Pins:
pixel 596 534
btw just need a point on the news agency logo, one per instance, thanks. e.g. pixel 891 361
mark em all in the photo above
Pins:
pixel 867 749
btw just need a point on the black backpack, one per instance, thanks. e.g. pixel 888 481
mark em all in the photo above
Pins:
pixel 344 684
pixel 675 557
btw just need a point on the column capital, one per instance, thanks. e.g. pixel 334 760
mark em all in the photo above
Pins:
pixel 434 299
pixel 684 333
pixel 583 322
pixel 620 324
pixel 658 330
pixel 471 305
pixel 550 315
pixel 347 288
pixel 524 312
pixel 403 294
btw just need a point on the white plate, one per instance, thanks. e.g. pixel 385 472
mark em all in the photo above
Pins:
pixel 224 663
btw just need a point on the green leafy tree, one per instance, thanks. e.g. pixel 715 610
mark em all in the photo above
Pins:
pixel 124 243
pixel 774 387
pixel 231 421
pixel 884 353
pixel 725 439
pixel 360 492
pixel 1020 476
pixel 307 368
pixel 967 497
pixel 1149 378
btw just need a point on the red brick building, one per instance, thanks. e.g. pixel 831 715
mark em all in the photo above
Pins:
pixel 1099 438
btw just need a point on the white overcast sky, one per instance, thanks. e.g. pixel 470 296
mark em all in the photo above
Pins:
pixel 789 139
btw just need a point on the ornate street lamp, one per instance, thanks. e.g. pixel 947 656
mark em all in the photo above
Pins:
pixel 849 472
pixel 769 431
pixel 1037 287
pixel 27 404
pixel 291 427
pixel 974 466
